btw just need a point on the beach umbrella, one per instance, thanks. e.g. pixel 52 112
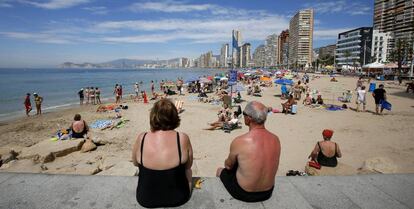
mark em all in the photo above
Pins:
pixel 288 76
pixel 264 78
pixel 192 79
pixel 210 78
pixel 284 81
pixel 205 80
pixel 217 77
pixel 223 79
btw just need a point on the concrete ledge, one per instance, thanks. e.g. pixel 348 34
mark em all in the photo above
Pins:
pixel 18 190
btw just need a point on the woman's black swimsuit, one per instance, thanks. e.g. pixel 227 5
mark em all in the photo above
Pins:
pixel 162 188
pixel 228 177
pixel 327 161
pixel 81 134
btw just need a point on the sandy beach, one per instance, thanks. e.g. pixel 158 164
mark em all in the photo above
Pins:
pixel 360 135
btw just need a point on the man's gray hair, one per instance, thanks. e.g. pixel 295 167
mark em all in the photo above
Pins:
pixel 257 113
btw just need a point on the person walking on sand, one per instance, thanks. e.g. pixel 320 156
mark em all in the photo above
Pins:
pixel 87 95
pixel 92 95
pixel 361 98
pixel 28 104
pixel 152 87
pixel 98 96
pixel 81 96
pixel 38 101
pixel 136 90
pixel 379 95
pixel 251 166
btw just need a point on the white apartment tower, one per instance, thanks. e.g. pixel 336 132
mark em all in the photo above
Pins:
pixel 301 38
pixel 380 45
pixel 224 55
pixel 271 50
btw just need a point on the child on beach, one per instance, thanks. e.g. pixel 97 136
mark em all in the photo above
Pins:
pixel 361 95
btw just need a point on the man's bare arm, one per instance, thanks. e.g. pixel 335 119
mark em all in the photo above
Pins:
pixel 232 158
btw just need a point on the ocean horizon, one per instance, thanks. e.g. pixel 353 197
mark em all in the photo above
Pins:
pixel 59 86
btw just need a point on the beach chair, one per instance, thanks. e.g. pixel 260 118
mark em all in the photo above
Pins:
pixel 179 106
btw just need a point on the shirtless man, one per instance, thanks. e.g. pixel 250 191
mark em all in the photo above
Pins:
pixel 250 168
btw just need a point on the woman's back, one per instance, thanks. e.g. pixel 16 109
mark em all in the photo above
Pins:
pixel 327 153
pixel 163 160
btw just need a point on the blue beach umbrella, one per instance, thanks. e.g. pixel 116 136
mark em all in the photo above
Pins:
pixel 193 79
pixel 284 81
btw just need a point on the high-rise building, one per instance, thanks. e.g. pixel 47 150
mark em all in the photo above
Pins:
pixel 236 44
pixel 224 55
pixel 353 47
pixel 259 56
pixel 283 48
pixel 246 55
pixel 326 51
pixel 380 44
pixel 301 38
pixel 395 16
pixel 271 53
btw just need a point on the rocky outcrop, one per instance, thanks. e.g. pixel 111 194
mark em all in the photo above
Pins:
pixel 46 151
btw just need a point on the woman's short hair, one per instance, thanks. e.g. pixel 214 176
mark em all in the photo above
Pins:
pixel 77 117
pixel 164 116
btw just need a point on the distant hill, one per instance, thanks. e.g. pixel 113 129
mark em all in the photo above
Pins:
pixel 119 63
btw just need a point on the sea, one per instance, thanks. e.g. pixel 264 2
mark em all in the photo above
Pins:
pixel 59 87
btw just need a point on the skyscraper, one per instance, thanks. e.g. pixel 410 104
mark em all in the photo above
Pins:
pixel 301 38
pixel 271 52
pixel 283 48
pixel 246 55
pixel 224 55
pixel 393 20
pixel 236 44
pixel 259 56
pixel 395 16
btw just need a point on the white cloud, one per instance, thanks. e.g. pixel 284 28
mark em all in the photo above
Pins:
pixel 5 3
pixel 201 30
pixel 97 10
pixel 328 34
pixel 169 6
pixel 55 4
pixel 37 37
pixel 340 6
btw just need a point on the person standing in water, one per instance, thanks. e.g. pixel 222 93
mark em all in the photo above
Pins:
pixel 28 104
pixel 38 102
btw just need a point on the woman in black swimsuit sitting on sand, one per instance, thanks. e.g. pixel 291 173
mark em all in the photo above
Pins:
pixel 326 151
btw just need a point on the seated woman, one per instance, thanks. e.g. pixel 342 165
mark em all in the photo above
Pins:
pixel 326 151
pixel 333 79
pixel 224 113
pixel 79 127
pixel 220 124
pixel 287 106
pixel 165 176
pixel 307 100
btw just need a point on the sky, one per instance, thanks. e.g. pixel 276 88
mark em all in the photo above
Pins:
pixel 46 33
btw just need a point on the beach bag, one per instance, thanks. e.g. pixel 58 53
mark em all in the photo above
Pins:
pixel 386 105
pixel 294 109
pixel 314 164
pixel 88 146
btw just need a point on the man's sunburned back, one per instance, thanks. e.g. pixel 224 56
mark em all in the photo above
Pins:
pixel 78 126
pixel 258 155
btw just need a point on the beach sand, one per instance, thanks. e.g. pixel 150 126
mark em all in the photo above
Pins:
pixel 360 135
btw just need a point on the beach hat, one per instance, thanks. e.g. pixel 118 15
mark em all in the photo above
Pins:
pixel 327 133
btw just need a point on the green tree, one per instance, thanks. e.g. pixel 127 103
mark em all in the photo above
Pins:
pixel 399 53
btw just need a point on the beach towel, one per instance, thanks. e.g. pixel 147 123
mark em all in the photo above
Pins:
pixel 334 108
pixel 101 123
